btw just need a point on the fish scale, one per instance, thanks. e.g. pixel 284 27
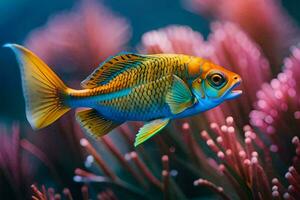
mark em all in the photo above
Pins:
pixel 147 71
pixel 143 102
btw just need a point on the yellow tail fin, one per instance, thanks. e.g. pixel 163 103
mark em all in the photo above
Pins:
pixel 43 90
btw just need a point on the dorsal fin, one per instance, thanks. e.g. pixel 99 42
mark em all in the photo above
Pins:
pixel 110 68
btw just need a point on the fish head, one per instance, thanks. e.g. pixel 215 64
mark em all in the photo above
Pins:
pixel 216 85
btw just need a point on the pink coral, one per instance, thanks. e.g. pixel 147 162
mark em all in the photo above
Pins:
pixel 173 39
pixel 248 165
pixel 292 191
pixel 78 40
pixel 238 159
pixel 277 110
pixel 264 21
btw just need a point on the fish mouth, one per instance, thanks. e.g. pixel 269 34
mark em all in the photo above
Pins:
pixel 232 94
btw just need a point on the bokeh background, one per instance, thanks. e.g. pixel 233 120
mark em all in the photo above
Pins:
pixel 258 40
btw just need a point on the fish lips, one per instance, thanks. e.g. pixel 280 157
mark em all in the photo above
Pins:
pixel 232 94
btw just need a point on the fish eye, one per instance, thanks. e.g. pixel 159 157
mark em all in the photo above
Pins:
pixel 217 80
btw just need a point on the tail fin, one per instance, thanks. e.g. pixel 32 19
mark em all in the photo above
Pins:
pixel 43 90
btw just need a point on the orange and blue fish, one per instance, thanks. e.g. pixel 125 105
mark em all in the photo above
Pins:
pixel 126 87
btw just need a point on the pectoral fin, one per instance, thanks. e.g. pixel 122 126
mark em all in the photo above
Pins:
pixel 179 97
pixel 149 130
pixel 94 123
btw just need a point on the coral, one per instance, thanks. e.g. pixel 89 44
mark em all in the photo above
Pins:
pixel 142 178
pixel 265 22
pixel 292 191
pixel 243 166
pixel 277 110
pixel 173 39
pixel 45 194
pixel 75 42
pixel 246 165
pixel 239 161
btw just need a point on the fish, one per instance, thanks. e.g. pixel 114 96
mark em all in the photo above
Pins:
pixel 126 87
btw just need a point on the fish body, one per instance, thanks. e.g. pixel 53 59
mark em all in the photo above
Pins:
pixel 138 92
pixel 126 87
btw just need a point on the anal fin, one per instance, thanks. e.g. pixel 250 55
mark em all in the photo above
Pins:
pixel 150 129
pixel 94 123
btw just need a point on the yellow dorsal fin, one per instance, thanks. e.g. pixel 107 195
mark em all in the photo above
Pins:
pixel 111 68
pixel 94 123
